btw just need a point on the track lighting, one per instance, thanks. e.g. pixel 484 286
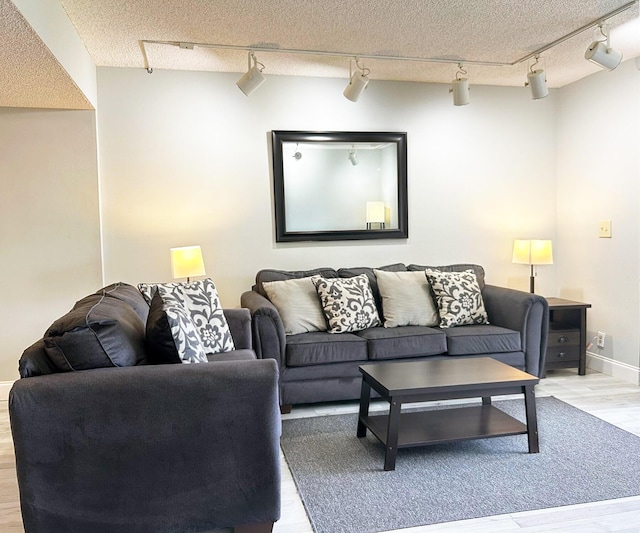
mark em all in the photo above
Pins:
pixel 358 81
pixel 460 87
pixel 353 157
pixel 253 78
pixel 601 54
pixel 537 81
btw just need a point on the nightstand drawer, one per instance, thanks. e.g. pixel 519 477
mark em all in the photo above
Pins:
pixel 557 354
pixel 566 338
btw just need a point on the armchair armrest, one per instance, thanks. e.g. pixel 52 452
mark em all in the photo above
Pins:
pixel 239 321
pixel 524 312
pixel 148 448
pixel 269 339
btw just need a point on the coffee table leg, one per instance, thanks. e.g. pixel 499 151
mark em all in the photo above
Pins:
pixel 393 428
pixel 532 419
pixel 365 396
pixel 486 400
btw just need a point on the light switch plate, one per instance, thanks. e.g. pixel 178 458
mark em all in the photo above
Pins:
pixel 604 231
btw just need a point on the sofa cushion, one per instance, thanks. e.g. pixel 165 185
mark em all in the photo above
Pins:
pixel 320 347
pixel 298 304
pixel 35 361
pixel 468 340
pixel 128 294
pixel 98 332
pixel 200 299
pixel 406 299
pixel 477 269
pixel 280 275
pixel 348 304
pixel 408 341
pixel 171 334
pixel 458 298
pixel 369 272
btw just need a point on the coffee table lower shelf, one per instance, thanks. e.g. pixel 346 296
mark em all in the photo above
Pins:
pixel 440 426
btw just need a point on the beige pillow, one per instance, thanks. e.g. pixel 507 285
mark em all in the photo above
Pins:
pixel 298 304
pixel 406 299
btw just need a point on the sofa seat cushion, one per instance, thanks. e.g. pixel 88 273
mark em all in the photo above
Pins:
pixel 319 347
pixel 407 341
pixel 481 339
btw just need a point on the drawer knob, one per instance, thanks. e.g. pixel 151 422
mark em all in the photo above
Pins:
pixel 563 339
pixel 561 355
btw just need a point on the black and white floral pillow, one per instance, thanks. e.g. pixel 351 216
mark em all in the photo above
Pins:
pixel 347 303
pixel 171 336
pixel 200 299
pixel 458 298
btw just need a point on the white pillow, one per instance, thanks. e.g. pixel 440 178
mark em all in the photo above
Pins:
pixel 298 304
pixel 406 299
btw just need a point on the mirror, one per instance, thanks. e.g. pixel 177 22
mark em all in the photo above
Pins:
pixel 340 185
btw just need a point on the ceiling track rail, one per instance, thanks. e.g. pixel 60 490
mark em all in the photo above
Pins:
pixel 298 51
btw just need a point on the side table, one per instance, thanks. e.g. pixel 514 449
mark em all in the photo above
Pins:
pixel 567 343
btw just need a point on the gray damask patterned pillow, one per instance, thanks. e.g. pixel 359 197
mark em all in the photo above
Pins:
pixel 348 303
pixel 171 336
pixel 200 299
pixel 458 298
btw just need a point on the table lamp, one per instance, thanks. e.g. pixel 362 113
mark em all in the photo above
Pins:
pixel 532 252
pixel 187 262
pixel 375 214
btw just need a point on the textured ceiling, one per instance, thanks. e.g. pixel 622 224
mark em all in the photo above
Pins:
pixel 480 30
pixel 30 75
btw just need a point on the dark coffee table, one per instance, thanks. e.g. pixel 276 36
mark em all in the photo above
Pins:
pixel 443 379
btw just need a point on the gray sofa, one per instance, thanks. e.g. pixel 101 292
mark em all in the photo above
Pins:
pixel 319 366
pixel 145 448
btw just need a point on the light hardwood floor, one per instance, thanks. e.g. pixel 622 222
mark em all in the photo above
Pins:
pixel 612 400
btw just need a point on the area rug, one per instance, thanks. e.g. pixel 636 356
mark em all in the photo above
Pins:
pixel 345 489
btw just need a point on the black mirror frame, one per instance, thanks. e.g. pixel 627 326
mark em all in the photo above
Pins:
pixel 280 137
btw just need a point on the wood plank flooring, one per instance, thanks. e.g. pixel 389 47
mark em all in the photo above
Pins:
pixel 608 398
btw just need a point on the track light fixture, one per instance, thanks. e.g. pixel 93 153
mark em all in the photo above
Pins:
pixel 460 87
pixel 353 156
pixel 537 81
pixel 600 53
pixel 358 81
pixel 253 78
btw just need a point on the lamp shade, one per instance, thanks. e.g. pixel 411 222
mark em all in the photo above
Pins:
pixel 375 212
pixel 187 262
pixel 533 252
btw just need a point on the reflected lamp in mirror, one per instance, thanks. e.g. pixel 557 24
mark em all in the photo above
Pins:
pixel 187 262
pixel 532 252
pixel 375 215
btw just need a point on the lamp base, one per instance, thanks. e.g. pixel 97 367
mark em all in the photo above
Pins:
pixel 532 283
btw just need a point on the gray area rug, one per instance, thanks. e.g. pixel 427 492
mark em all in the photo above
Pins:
pixel 344 488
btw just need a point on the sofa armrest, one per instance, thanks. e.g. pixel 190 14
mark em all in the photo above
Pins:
pixel 524 312
pixel 239 321
pixel 148 448
pixel 269 339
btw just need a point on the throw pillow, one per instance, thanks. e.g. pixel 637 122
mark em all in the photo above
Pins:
pixel 406 299
pixel 458 297
pixel 298 304
pixel 171 334
pixel 200 299
pixel 347 303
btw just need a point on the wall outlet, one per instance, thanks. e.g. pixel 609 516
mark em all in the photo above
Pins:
pixel 600 339
pixel 604 229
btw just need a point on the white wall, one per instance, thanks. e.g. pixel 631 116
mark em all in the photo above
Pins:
pixel 49 235
pixel 184 160
pixel 599 179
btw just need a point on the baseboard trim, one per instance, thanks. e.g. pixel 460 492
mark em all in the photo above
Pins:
pixel 5 387
pixel 613 368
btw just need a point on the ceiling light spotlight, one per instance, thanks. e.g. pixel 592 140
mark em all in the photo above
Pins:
pixel 358 81
pixel 537 81
pixel 600 53
pixel 253 78
pixel 460 87
pixel 353 157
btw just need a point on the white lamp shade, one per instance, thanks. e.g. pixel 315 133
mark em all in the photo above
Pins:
pixel 600 54
pixel 460 90
pixel 251 80
pixel 187 262
pixel 375 212
pixel 533 252
pixel 538 84
pixel 357 84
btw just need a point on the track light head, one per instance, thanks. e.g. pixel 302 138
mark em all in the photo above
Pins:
pixel 253 78
pixel 353 157
pixel 600 54
pixel 358 81
pixel 460 88
pixel 537 81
